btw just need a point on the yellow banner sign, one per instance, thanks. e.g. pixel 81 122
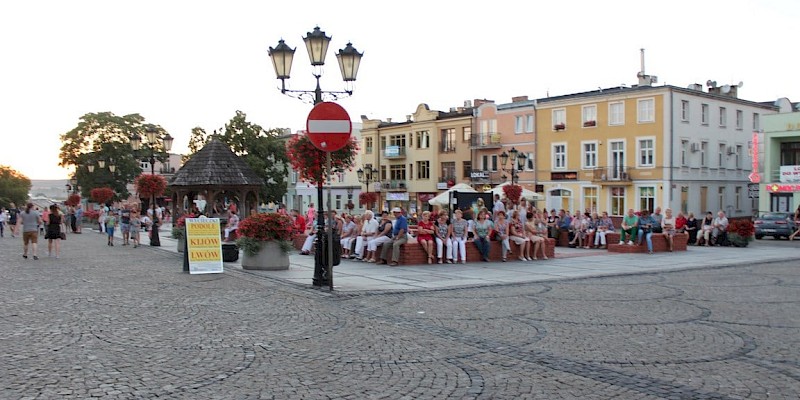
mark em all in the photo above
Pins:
pixel 204 245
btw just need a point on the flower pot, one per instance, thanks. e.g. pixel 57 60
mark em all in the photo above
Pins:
pixel 270 257
pixel 181 244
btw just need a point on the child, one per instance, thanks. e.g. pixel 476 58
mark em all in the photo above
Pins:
pixel 111 222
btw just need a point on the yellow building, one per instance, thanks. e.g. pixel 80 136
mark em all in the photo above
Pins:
pixel 416 159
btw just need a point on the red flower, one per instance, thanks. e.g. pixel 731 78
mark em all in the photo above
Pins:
pixel 150 185
pixel 742 227
pixel 102 194
pixel 181 222
pixel 310 162
pixel 73 200
pixel 367 198
pixel 513 192
pixel 267 226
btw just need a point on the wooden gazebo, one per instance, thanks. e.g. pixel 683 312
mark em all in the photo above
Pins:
pixel 218 176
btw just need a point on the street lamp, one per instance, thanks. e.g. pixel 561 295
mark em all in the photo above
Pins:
pixel 517 163
pixel 349 60
pixel 136 143
pixel 365 177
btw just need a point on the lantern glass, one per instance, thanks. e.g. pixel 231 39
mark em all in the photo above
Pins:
pixel 317 46
pixel 349 60
pixel 282 56
pixel 168 142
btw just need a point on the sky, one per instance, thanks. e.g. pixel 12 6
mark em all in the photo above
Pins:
pixel 182 64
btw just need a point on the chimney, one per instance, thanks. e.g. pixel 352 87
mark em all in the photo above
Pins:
pixel 389 120
pixel 408 117
pixel 518 99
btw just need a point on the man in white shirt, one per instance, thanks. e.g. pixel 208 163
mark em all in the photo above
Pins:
pixel 720 225
pixel 369 228
pixel 498 206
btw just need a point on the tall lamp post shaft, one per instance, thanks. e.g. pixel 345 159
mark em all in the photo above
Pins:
pixel 154 239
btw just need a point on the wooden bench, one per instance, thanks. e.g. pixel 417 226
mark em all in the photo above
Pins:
pixel 660 243
pixel 412 253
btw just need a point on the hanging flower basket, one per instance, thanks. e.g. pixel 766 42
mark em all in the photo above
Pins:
pixel 590 123
pixel 310 162
pixel 102 194
pixel 513 192
pixel 367 198
pixel 73 200
pixel 559 127
pixel 150 185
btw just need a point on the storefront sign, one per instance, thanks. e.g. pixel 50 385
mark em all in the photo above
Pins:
pixel 397 196
pixel 392 151
pixel 479 174
pixel 790 173
pixel 563 176
pixel 752 190
pixel 203 245
pixel 786 188
pixel 754 176
pixel 441 186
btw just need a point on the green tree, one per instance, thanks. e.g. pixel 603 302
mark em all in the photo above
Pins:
pixel 14 187
pixel 197 140
pixel 105 137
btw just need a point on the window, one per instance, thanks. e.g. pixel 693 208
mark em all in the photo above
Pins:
pixel 559 118
pixel 338 202
pixel 423 139
pixel 739 119
pixel 383 143
pixel 618 201
pixel 721 156
pixel 616 113
pixel 559 156
pixel 704 154
pixel 397 172
pixel 467 168
pixel 737 202
pixel 398 140
pixel 490 162
pixel 684 153
pixel 368 145
pixel 647 198
pixel 448 140
pixel 590 198
pixel 466 133
pixel 739 149
pixel 383 172
pixel 646 110
pixel 529 125
pixel 723 116
pixel 448 170
pixel 704 114
pixel 756 122
pixel 721 195
pixel 530 162
pixel 489 126
pixel 423 169
pixel 519 124
pixel 646 152
pixel 589 155
pixel 685 110
pixel 589 115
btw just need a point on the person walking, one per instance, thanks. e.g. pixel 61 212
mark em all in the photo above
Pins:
pixel 111 223
pixel 13 214
pixel 3 218
pixel 125 224
pixel 29 220
pixel 135 227
pixel 54 231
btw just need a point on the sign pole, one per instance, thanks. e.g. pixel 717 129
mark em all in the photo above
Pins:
pixel 331 223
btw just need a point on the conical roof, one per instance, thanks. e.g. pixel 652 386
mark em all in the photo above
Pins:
pixel 216 165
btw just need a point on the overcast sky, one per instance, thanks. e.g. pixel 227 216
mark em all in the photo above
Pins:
pixel 183 64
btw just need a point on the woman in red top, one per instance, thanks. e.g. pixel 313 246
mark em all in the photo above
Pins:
pixel 680 222
pixel 425 234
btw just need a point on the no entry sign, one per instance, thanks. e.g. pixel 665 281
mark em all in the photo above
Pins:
pixel 328 126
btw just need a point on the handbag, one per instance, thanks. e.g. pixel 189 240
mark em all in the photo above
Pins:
pixel 63 236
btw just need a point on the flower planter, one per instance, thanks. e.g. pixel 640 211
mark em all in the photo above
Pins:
pixel 270 257
pixel 181 244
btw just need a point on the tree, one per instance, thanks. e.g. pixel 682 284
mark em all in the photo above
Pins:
pixel 14 187
pixel 105 136
pixel 197 140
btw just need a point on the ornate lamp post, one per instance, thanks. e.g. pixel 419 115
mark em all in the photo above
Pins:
pixel 517 163
pixel 136 143
pixel 349 61
pixel 365 177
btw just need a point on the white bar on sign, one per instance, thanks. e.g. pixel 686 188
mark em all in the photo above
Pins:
pixel 329 126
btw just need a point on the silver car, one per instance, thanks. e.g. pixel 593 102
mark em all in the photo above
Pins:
pixel 775 224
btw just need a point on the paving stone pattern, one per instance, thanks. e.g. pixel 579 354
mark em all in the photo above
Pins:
pixel 124 323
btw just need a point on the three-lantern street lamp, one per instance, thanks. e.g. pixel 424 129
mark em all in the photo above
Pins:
pixel 517 163
pixel 152 136
pixel 349 60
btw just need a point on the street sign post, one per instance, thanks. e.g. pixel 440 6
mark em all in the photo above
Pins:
pixel 329 126
pixel 752 190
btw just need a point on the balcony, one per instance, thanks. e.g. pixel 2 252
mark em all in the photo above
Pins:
pixel 485 141
pixel 619 175
pixel 394 152
pixel 395 186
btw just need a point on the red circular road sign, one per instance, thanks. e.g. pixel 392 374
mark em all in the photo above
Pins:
pixel 328 126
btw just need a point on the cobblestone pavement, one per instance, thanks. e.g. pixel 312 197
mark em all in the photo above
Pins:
pixel 118 322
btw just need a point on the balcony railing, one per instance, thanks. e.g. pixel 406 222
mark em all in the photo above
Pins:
pixel 395 185
pixel 485 141
pixel 618 174
pixel 394 152
pixel 446 147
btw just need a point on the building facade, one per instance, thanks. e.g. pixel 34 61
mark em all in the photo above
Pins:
pixel 779 183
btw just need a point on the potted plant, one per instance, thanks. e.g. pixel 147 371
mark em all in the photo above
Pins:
pixel 266 240
pixel 73 200
pixel 513 193
pixel 589 123
pixel 102 195
pixel 560 127
pixel 179 231
pixel 740 232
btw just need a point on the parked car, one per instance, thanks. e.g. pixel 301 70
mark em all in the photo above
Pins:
pixel 775 224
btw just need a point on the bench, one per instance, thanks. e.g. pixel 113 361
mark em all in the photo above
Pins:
pixel 412 253
pixel 660 243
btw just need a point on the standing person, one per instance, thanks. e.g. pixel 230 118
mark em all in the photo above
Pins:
pixel 101 219
pixel 482 228
pixel 311 213
pixel 502 229
pixel 29 220
pixel 125 224
pixel 13 213
pixel 54 233
pixel 78 218
pixel 630 225
pixel 442 235
pixel 425 234
pixel 46 220
pixel 111 224
pixel 3 218
pixel 459 237
pixel 796 220
pixel 498 206
pixel 135 227
pixel 399 238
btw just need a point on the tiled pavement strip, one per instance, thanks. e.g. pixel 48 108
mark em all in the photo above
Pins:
pixel 118 322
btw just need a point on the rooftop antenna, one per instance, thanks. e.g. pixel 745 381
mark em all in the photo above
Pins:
pixel 644 79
